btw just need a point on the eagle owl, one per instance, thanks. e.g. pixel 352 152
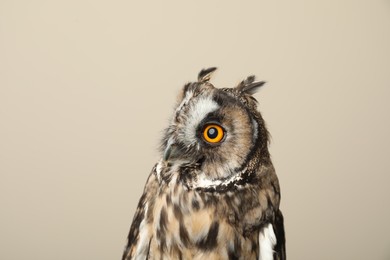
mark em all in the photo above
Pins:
pixel 214 194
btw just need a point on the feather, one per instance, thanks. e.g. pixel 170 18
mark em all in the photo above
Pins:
pixel 249 86
pixel 205 74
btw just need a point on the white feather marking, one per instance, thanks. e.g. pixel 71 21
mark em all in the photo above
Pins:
pixel 207 183
pixel 255 130
pixel 204 182
pixel 158 169
pixel 267 243
pixel 197 113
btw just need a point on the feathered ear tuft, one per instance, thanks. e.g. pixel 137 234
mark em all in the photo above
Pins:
pixel 205 74
pixel 249 86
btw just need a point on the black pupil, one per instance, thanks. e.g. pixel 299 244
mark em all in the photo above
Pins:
pixel 212 132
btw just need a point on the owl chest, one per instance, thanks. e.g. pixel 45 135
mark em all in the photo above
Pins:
pixel 181 219
pixel 189 224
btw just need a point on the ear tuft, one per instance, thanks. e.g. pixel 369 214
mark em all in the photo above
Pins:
pixel 249 86
pixel 205 74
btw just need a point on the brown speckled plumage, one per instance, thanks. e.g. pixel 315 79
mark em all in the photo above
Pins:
pixel 211 201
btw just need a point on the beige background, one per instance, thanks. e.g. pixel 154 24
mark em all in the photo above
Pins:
pixel 86 88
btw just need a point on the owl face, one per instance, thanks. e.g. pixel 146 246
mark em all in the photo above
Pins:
pixel 215 129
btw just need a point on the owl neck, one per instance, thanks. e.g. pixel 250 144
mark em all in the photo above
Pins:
pixel 194 178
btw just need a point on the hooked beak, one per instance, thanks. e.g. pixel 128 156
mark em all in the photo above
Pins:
pixel 174 151
pixel 167 153
pixel 170 151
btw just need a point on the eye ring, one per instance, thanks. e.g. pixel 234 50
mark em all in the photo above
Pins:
pixel 213 133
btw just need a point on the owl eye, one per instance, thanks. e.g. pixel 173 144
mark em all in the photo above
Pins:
pixel 213 133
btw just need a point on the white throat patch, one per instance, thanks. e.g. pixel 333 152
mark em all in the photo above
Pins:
pixel 205 182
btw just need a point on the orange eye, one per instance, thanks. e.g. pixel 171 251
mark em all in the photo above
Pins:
pixel 213 133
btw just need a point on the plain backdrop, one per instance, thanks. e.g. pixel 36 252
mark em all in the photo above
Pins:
pixel 86 88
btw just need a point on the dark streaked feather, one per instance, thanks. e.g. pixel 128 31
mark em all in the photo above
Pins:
pixel 205 74
pixel 280 247
pixel 249 86
pixel 147 197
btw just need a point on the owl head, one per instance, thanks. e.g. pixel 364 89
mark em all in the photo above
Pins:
pixel 217 131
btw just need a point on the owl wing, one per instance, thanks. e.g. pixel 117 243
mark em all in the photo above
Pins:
pixel 280 247
pixel 138 240
pixel 272 240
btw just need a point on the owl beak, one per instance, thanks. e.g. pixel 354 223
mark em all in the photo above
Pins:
pixel 171 151
pixel 167 152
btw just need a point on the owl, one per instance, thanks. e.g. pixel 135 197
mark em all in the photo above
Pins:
pixel 214 193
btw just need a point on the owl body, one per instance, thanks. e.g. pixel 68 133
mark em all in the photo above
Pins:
pixel 214 194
